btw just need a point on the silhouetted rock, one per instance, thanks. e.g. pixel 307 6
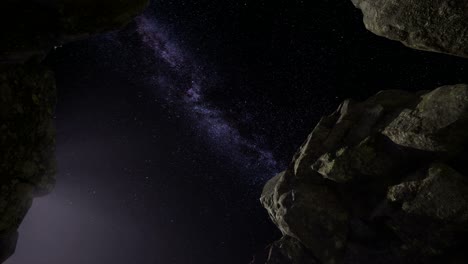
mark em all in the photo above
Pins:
pixel 27 140
pixel 28 30
pixel 433 25
pixel 8 240
pixel 380 181
pixel 287 250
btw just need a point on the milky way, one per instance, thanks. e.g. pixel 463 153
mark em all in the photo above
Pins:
pixel 184 86
pixel 110 204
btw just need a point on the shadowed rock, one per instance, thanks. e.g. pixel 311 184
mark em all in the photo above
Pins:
pixel 380 181
pixel 8 240
pixel 27 140
pixel 28 30
pixel 431 211
pixel 307 212
pixel 432 25
pixel 287 250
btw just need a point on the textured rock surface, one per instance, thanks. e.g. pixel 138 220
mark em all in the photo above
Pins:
pixel 287 250
pixel 28 30
pixel 379 181
pixel 433 25
pixel 307 211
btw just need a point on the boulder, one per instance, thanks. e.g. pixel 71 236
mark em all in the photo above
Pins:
pixel 432 25
pixel 287 250
pixel 436 123
pixel 380 181
pixel 307 212
pixel 430 213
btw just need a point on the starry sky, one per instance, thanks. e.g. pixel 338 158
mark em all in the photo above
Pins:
pixel 168 129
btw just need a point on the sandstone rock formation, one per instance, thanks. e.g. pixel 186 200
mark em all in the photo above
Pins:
pixel 379 181
pixel 432 25
pixel 28 30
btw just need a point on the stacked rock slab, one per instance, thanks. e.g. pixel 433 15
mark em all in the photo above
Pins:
pixel 379 181
pixel 432 25
pixel 28 30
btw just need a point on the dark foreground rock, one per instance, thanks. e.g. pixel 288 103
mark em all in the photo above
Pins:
pixel 287 250
pixel 432 25
pixel 8 242
pixel 379 181
pixel 28 30
pixel 27 140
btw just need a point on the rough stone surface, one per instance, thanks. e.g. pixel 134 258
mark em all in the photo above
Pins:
pixel 28 30
pixel 380 181
pixel 307 211
pixel 432 25
pixel 287 250
pixel 435 124
pixel 430 210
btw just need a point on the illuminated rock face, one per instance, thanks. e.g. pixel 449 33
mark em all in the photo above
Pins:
pixel 432 25
pixel 379 181
pixel 27 94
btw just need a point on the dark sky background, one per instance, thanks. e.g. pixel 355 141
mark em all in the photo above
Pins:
pixel 168 129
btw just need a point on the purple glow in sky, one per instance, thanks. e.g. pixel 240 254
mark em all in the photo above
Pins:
pixel 57 231
pixel 124 194
pixel 184 88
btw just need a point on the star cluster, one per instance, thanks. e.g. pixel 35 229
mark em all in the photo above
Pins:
pixel 167 129
pixel 189 96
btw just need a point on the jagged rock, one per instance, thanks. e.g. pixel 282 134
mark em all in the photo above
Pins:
pixel 436 123
pixel 307 211
pixel 29 29
pixel 431 211
pixel 287 250
pixel 380 181
pixel 432 25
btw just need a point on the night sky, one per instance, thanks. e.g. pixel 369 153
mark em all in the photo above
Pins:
pixel 168 129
